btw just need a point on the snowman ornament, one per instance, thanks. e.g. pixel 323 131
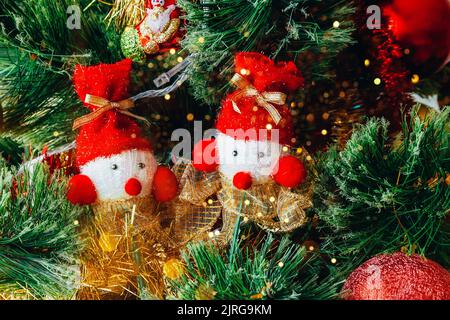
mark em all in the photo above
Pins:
pixel 259 177
pixel 120 178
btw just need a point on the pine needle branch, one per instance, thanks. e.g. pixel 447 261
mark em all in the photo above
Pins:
pixel 38 236
pixel 379 195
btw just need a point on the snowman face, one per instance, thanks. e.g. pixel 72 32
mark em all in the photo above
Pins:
pixel 259 158
pixel 110 175
pixel 156 3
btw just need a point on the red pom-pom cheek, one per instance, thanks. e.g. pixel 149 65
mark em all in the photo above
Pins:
pixel 204 156
pixel 81 190
pixel 242 180
pixel 165 184
pixel 290 172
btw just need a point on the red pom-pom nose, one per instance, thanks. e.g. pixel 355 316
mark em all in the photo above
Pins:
pixel 242 180
pixel 204 156
pixel 290 172
pixel 133 187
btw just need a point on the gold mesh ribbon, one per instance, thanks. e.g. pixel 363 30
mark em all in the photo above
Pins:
pixel 204 197
pixel 105 105
pixel 263 99
pixel 125 251
pixel 196 210
pixel 271 206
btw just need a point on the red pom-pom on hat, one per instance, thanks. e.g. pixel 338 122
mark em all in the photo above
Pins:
pixel 81 190
pixel 112 132
pixel 290 172
pixel 165 184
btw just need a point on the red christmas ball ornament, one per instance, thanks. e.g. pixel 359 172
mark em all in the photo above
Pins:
pixel 81 190
pixel 398 276
pixel 204 156
pixel 165 184
pixel 133 187
pixel 242 180
pixel 423 27
pixel 290 172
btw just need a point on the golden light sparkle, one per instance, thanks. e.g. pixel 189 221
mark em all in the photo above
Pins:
pixel 244 72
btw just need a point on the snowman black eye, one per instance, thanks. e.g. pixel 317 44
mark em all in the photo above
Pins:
pixel 141 165
pixel 260 154
pixel 114 166
pixel 235 153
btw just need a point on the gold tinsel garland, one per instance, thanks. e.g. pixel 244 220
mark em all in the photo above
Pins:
pixel 126 13
pixel 126 249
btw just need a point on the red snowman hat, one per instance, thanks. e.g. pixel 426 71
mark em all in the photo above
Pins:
pixel 264 75
pixel 112 132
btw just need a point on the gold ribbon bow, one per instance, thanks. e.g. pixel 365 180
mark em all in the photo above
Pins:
pixel 104 106
pixel 263 99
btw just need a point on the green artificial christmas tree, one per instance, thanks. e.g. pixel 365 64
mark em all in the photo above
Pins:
pixel 386 194
pixel 39 243
pixel 378 168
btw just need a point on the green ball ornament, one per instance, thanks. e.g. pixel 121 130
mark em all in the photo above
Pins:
pixel 131 45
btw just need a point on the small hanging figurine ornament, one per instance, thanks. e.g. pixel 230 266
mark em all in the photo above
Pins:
pixel 159 31
pixel 248 170
pixel 126 245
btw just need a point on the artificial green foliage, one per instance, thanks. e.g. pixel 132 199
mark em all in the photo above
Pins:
pixel 383 195
pixel 38 53
pixel 38 236
pixel 272 269
pixel 280 28
pixel 10 151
